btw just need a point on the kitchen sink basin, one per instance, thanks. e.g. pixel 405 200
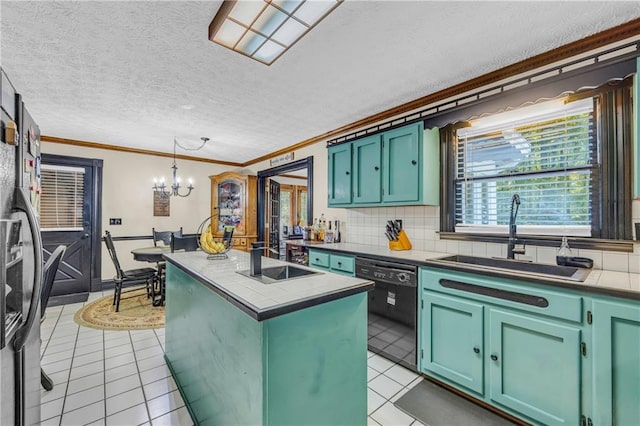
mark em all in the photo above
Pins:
pixel 279 273
pixel 518 266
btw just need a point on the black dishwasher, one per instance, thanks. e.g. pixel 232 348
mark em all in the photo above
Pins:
pixel 392 309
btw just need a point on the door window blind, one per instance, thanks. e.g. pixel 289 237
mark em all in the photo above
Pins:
pixel 545 153
pixel 61 204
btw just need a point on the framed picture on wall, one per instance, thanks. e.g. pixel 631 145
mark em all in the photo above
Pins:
pixel 161 204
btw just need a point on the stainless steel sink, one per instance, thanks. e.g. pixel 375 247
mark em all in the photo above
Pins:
pixel 520 267
pixel 279 273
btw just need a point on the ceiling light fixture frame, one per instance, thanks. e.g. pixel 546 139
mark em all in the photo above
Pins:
pixel 265 36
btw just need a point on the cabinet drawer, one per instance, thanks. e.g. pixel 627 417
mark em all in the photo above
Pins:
pixel 318 258
pixel 342 263
pixel 504 292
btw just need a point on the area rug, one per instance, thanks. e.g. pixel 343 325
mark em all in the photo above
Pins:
pixel 136 313
pixel 434 405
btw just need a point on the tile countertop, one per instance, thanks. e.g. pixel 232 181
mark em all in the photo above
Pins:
pixel 611 283
pixel 259 300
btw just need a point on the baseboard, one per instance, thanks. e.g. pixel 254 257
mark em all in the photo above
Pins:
pixel 67 299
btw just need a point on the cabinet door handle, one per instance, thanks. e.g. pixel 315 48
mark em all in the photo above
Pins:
pixel 317 260
pixel 476 349
pixel 414 162
pixel 339 263
pixel 347 172
pixel 376 168
pixel 494 357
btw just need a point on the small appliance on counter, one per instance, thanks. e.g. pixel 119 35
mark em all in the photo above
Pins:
pixel 398 239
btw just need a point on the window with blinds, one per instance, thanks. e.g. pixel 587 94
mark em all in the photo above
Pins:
pixel 546 153
pixel 61 201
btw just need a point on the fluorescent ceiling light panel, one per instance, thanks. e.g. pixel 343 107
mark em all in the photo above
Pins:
pixel 265 29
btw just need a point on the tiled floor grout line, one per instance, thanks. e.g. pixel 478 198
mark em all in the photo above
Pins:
pixel 104 374
pixel 75 345
pixel 144 395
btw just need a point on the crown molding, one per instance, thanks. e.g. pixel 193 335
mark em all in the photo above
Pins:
pixel 73 142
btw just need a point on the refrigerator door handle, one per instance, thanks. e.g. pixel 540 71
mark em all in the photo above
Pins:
pixel 23 204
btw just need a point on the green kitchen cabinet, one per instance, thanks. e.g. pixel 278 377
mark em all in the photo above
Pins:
pixel 367 176
pixel 514 347
pixel 401 167
pixel 534 366
pixel 332 262
pixel 339 173
pixel 397 167
pixel 616 363
pixel 453 338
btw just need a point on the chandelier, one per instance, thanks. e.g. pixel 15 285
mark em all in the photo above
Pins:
pixel 162 189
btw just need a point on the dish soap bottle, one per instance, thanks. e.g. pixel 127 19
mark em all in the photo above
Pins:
pixel 564 253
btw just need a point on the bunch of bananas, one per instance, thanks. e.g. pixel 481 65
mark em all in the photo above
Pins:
pixel 207 243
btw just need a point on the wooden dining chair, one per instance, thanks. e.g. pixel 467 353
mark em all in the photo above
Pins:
pixel 188 243
pixel 49 275
pixel 146 276
pixel 164 236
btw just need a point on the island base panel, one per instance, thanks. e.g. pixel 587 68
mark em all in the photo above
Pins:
pixel 305 367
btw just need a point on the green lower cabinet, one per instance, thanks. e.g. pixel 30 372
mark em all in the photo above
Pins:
pixel 616 363
pixel 452 333
pixel 534 367
pixel 332 262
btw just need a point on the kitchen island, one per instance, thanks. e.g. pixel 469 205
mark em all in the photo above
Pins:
pixel 248 353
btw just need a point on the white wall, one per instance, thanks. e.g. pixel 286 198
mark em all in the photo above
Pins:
pixel 127 194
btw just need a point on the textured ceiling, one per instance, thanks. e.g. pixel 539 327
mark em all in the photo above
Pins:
pixel 138 73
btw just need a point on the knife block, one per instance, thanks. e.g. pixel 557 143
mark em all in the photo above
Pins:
pixel 403 242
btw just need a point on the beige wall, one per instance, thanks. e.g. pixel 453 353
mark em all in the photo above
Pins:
pixel 127 194
pixel 319 153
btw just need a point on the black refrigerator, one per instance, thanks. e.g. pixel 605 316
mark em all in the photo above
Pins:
pixel 20 261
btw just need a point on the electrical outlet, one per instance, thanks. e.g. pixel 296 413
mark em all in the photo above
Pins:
pixel 115 221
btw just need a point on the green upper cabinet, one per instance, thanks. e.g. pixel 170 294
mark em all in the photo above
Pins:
pixel 367 176
pixel 616 363
pixel 339 174
pixel 393 168
pixel 401 155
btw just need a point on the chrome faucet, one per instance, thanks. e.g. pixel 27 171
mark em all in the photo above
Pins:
pixel 513 238
pixel 255 259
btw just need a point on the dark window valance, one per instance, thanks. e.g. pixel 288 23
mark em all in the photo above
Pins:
pixel 550 88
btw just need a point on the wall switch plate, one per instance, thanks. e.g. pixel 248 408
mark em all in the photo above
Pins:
pixel 115 221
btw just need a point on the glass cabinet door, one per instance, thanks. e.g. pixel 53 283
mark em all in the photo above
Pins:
pixel 230 205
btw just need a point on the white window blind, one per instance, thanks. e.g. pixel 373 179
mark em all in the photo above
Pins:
pixel 544 153
pixel 62 198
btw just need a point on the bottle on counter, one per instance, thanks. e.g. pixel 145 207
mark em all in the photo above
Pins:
pixel 328 234
pixel 564 253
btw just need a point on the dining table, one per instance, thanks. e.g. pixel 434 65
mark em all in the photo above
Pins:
pixel 153 254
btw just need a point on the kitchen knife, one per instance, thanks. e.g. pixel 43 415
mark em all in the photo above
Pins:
pixel 389 237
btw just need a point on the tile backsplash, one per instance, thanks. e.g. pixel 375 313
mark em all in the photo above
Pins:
pixel 421 223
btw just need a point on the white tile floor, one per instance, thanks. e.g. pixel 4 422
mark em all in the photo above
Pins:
pixel 120 378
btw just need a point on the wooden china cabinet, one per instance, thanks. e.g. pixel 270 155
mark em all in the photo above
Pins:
pixel 234 202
